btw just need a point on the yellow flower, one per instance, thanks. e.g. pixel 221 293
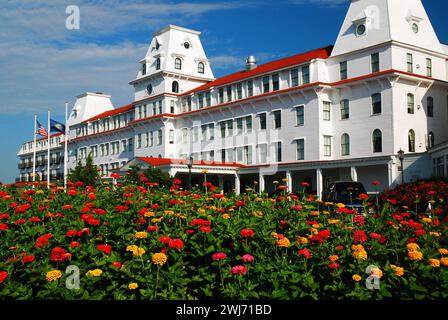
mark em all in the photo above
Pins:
pixel 39 192
pixel 427 220
pixel 302 240
pixel 412 247
pixel 156 220
pixel 356 277
pixel 360 255
pixel 275 235
pixel 333 258
pixel 169 212
pixel 53 275
pixel 443 251
pixel 326 212
pixel 315 213
pixel 415 255
pixel 376 272
pixel 226 216
pixel 434 263
pixel 435 234
pixel 258 199
pixel 132 286
pixel 399 271
pixel 149 214
pixel 94 273
pixel 314 231
pixel 275 182
pixel 444 261
pixel 258 214
pixel 340 205
pixel 205 171
pixel 284 242
pixel 136 251
pixel 333 221
pixel 284 180
pixel 201 211
pixel 159 258
pixel 141 235
pixel 328 203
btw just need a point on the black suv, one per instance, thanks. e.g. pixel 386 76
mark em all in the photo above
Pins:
pixel 346 193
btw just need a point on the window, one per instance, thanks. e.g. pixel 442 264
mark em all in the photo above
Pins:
pixel 221 95
pixel 266 87
pixel 343 70
pixel 410 62
pixel 430 107
pixel 248 154
pixel 201 67
pixel 171 137
pixel 248 124
pixel 139 141
pixel 300 149
pixel 438 167
pixel 431 140
pixel 360 29
pixel 376 103
pixel 345 144
pixel 239 91
pixel 208 99
pixel 411 141
pixel 327 110
pixel 144 69
pixel 415 28
pixel 158 64
pixel 123 145
pixel 262 121
pixel 204 132
pixel 411 103
pixel 345 109
pixel 223 155
pixel 300 116
pixel 211 131
pixel 262 153
pixel 185 134
pixel 377 140
pixel 177 64
pixel 250 88
pixel 277 119
pixel 172 106
pixel 275 82
pixel 327 146
pixel 239 125
pixel 154 108
pixel 229 94
pixel 160 107
pixel 428 67
pixel 159 137
pixel 201 100
pixel 278 152
pixel 146 139
pixel 222 126
pixel 294 77
pixel 151 138
pixel 175 87
pixel 305 74
pixel 375 62
pixel 229 128
pixel 131 144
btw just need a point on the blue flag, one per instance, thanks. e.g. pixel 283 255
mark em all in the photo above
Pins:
pixel 56 126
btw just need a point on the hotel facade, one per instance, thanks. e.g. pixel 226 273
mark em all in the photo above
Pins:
pixel 337 113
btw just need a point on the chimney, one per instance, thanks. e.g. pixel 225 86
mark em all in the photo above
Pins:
pixel 251 63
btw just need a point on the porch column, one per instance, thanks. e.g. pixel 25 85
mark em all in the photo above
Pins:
pixel 390 173
pixel 260 182
pixel 172 173
pixel 221 182
pixel 237 184
pixel 289 180
pixel 319 183
pixel 354 173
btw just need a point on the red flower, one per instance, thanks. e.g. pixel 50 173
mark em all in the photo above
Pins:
pixel 176 244
pixel 190 231
pixel 375 236
pixel 28 259
pixel 316 239
pixel 4 216
pixel 218 196
pixel 363 196
pixel 334 265
pixel 34 219
pixel 105 248
pixel 19 222
pixel 91 196
pixel 121 208
pixel 247 233
pixel 205 229
pixel 247 258
pixel 74 244
pixel 305 184
pixel 239 270
pixel 359 236
pixel 42 241
pixel 3 276
pixel 219 256
pixel 375 183
pixel 164 239
pixel 116 264
pixel 59 255
pixel 324 234
pixel 177 181
pixel 282 187
pixel 420 232
pixel 152 228
pixel 296 208
pixel 306 253
pixel 359 220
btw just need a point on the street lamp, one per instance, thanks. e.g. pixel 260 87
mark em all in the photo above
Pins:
pixel 189 165
pixel 401 158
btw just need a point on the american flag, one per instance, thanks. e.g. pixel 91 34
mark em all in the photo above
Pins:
pixel 41 130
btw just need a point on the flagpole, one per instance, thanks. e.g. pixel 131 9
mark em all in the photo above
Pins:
pixel 65 147
pixel 48 152
pixel 34 150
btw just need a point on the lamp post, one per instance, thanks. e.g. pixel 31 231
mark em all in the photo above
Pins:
pixel 401 158
pixel 189 165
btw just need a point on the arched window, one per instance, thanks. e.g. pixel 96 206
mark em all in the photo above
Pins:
pixel 411 103
pixel 158 64
pixel 178 64
pixel 411 141
pixel 175 87
pixel 431 140
pixel 200 67
pixel 345 144
pixel 376 103
pixel 377 140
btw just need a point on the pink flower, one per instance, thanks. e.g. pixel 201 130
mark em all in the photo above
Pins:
pixel 247 258
pixel 219 256
pixel 239 270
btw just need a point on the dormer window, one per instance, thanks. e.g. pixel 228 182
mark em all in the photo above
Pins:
pixel 178 64
pixel 186 45
pixel 158 64
pixel 201 67
pixel 144 69
pixel 360 24
pixel 360 29
pixel 415 28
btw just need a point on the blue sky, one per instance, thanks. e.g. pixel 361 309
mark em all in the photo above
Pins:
pixel 42 64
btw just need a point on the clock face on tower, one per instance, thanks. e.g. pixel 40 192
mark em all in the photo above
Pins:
pixel 149 89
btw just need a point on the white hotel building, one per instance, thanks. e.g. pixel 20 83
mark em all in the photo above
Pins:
pixel 336 113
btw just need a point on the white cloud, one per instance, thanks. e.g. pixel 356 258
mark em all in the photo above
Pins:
pixel 320 2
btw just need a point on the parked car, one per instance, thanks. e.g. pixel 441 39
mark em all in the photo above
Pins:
pixel 346 193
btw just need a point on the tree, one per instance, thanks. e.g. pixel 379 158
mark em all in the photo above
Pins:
pixel 87 174
pixel 134 174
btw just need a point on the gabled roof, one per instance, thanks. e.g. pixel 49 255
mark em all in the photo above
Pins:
pixel 322 53
pixel 111 113
pixel 165 161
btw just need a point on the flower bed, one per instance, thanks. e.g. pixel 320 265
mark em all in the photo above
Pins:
pixel 145 242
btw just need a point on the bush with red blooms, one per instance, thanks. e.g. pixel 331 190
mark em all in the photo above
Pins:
pixel 177 244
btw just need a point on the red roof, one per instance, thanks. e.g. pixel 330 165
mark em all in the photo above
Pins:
pixel 165 161
pixel 322 53
pixel 111 112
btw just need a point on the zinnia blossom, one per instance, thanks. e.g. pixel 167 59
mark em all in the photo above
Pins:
pixel 247 258
pixel 105 248
pixel 3 276
pixel 28 259
pixel 94 273
pixel 247 233
pixel 141 235
pixel 42 241
pixel 356 277
pixel 176 244
pixel 219 256
pixel 359 236
pixel 334 265
pixel 239 270
pixel 164 239
pixel 53 275
pixel 283 243
pixel 132 286
pixel 415 255
pixel 306 253
pixel 59 255
pixel 159 258
pixel 443 251
pixel 434 263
